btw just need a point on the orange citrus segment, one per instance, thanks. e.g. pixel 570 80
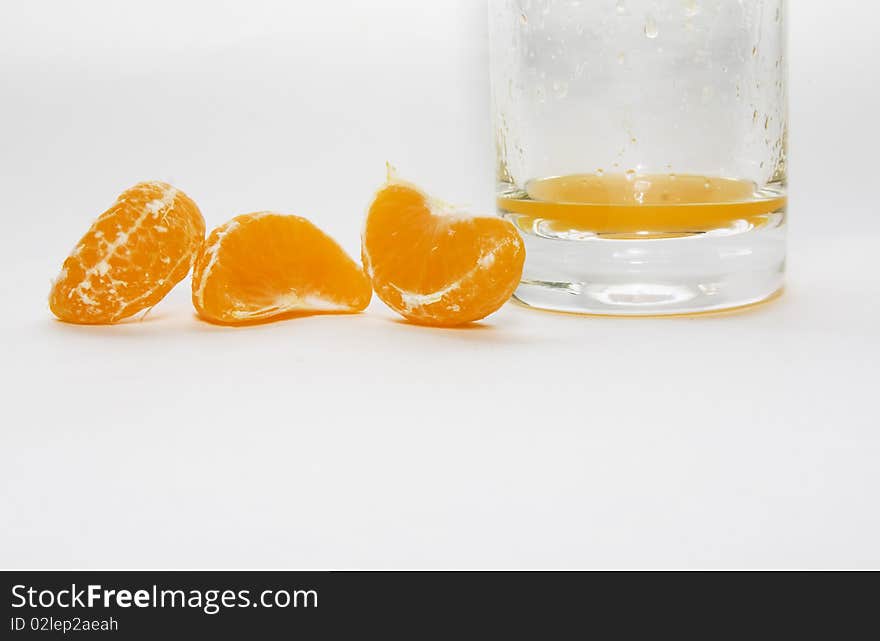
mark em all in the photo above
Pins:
pixel 265 265
pixel 132 256
pixel 434 264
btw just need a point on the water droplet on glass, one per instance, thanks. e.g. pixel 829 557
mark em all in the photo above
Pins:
pixel 621 58
pixel 690 8
pixel 600 172
pixel 651 29
pixel 560 89
pixel 707 185
pixel 523 18
pixel 621 7
pixel 630 174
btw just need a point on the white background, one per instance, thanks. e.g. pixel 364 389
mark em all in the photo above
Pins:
pixel 535 440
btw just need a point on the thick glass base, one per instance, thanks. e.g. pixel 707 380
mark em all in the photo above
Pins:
pixel 684 274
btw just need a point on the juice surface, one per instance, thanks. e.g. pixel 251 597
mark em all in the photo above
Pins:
pixel 630 204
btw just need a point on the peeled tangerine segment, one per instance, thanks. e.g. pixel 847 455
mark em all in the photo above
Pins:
pixel 265 265
pixel 131 257
pixel 436 265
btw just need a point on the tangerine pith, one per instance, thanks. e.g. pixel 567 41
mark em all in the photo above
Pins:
pixel 265 266
pixel 435 264
pixel 131 257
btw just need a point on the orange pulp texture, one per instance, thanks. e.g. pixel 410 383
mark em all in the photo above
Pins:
pixel 264 266
pixel 434 264
pixel 131 257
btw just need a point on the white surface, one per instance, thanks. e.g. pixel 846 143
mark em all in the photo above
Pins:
pixel 536 440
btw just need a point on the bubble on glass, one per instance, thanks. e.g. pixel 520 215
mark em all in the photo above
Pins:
pixel 640 190
pixel 707 94
pixel 630 174
pixel 651 29
pixel 691 8
pixel 560 89
pixel 621 7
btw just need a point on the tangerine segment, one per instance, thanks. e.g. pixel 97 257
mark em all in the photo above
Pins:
pixel 131 257
pixel 265 265
pixel 436 265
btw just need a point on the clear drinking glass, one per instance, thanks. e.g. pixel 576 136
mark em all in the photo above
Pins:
pixel 642 150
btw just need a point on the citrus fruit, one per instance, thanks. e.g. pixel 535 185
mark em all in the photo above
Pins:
pixel 434 264
pixel 131 257
pixel 265 265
